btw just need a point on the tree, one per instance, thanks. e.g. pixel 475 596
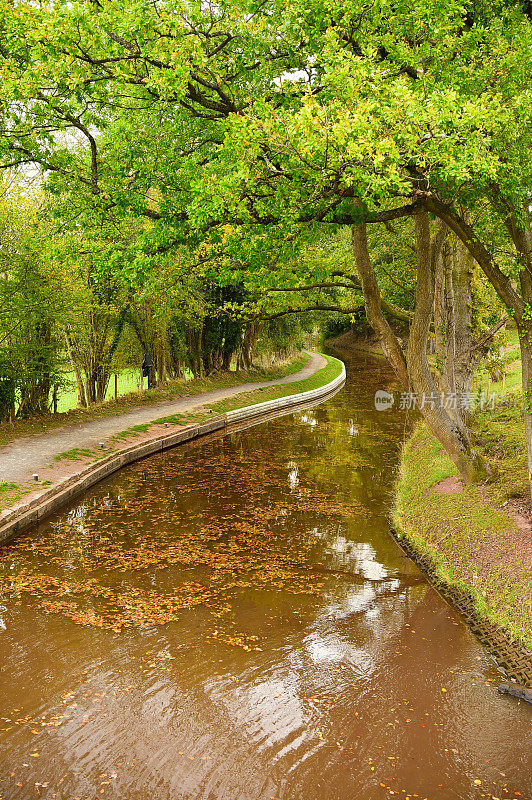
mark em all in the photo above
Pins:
pixel 30 305
pixel 197 117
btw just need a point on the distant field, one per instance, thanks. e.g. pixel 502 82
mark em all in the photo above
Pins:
pixel 509 341
pixel 128 381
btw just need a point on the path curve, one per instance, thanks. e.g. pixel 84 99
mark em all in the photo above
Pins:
pixel 31 454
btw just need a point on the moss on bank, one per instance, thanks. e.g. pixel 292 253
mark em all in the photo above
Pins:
pixel 471 533
pixel 472 541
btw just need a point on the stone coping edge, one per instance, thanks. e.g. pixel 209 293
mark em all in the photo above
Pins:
pixel 26 514
pixel 512 657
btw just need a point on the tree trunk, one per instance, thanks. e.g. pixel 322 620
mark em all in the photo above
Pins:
pixel 521 236
pixel 7 399
pixel 195 361
pixel 372 301
pixel 35 395
pixel 453 333
pixel 443 309
pixel 249 341
pixel 526 362
pixel 82 395
pixel 453 437
pixel 522 239
pixel 161 364
pixel 90 387
pixel 226 360
pixel 414 371
pixel 103 376
pixel 463 362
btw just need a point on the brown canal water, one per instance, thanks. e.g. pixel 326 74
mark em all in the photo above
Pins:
pixel 233 620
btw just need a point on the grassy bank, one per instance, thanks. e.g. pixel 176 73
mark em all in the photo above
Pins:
pixel 171 391
pixel 478 537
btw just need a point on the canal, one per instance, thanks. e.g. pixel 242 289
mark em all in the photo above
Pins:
pixel 232 619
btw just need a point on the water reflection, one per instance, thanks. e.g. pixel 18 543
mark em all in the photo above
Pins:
pixel 265 637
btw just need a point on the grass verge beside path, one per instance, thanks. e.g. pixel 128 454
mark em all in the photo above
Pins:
pixel 320 378
pixel 473 535
pixel 11 493
pixel 130 402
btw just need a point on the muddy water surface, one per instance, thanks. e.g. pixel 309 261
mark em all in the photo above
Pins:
pixel 233 620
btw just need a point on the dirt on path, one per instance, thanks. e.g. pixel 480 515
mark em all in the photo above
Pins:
pixel 33 454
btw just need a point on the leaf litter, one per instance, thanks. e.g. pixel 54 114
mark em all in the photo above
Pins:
pixel 140 555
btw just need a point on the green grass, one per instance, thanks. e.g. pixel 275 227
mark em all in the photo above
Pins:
pixel 133 431
pixel 76 454
pixel 10 493
pixel 320 378
pixel 127 382
pixel 183 419
pixel 471 536
pixel 171 391
pixel 6 486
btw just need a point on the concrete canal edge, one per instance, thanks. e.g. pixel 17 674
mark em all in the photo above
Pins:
pixel 51 499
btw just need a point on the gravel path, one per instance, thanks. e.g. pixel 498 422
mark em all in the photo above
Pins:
pixel 30 454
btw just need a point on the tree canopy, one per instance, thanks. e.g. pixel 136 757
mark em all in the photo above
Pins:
pixel 223 148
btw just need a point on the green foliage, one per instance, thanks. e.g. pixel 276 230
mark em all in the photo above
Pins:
pixel 31 303
pixel 199 154
pixel 354 101
pixel 335 326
